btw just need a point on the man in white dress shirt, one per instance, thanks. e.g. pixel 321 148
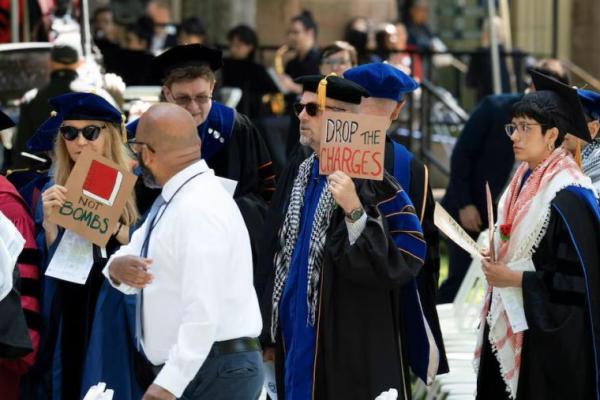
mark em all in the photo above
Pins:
pixel 190 266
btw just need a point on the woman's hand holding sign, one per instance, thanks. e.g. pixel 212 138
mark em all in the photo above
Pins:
pixel 54 197
pixel 343 191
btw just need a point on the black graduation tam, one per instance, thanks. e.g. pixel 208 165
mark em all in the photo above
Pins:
pixel 184 55
pixel 5 121
pixel 337 88
pixel 560 103
pixel 72 106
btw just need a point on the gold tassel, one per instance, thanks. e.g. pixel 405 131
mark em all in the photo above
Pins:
pixel 322 91
pixel 578 153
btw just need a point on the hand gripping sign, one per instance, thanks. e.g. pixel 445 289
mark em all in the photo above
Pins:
pixel 97 191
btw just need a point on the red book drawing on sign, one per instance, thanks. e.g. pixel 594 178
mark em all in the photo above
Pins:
pixel 102 183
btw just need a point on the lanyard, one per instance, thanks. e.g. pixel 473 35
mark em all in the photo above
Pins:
pixel 157 218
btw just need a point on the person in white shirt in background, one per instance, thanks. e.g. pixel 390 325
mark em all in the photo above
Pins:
pixel 190 266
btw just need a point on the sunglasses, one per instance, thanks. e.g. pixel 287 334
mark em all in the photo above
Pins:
pixel 312 109
pixel 90 132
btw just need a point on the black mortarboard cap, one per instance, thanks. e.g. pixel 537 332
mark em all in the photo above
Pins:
pixel 560 103
pixel 72 106
pixel 5 121
pixel 185 55
pixel 337 88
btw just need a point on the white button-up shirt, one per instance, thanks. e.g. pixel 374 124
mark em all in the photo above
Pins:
pixel 202 290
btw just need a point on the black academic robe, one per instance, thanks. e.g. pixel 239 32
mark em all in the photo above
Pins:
pixel 420 193
pixel 253 80
pixel 562 306
pixel 360 351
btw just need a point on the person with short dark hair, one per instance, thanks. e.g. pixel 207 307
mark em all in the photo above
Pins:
pixel 481 154
pixel 241 70
pixel 191 31
pixel 539 336
pixel 35 109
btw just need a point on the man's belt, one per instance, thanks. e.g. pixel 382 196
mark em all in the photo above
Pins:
pixel 238 345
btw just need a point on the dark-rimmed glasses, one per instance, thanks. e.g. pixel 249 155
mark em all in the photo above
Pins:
pixel 90 132
pixel 136 146
pixel 522 127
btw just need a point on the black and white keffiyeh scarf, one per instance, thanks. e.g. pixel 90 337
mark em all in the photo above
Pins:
pixel 288 235
pixel 590 161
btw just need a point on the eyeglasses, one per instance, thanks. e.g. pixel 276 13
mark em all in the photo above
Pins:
pixel 135 146
pixel 336 61
pixel 185 100
pixel 522 127
pixel 312 109
pixel 90 132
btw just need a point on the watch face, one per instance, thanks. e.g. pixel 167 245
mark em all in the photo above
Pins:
pixel 356 214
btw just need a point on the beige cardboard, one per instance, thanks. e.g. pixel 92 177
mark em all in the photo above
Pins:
pixel 89 218
pixel 354 144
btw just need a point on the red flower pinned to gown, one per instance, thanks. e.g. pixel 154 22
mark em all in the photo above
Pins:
pixel 505 232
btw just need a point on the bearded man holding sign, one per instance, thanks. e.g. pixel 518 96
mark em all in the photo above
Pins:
pixel 334 271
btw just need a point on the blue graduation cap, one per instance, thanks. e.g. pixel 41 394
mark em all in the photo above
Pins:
pixel 5 121
pixel 73 106
pixel 590 101
pixel 382 80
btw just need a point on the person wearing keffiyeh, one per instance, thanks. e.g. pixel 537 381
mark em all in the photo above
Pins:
pixel 588 154
pixel 331 304
pixel 539 334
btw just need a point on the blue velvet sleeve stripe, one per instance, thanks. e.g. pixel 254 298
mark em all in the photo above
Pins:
pixel 404 225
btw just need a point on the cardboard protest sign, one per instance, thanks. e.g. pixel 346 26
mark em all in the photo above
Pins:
pixel 97 190
pixel 354 144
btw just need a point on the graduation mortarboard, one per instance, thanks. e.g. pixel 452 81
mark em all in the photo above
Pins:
pixel 73 106
pixel 590 101
pixel 185 55
pixel 383 81
pixel 560 103
pixel 334 87
pixel 5 121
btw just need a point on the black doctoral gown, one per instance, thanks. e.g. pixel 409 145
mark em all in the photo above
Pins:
pixel 419 191
pixel 359 343
pixel 562 306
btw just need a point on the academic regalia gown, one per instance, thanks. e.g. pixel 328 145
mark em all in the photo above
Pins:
pixel 19 310
pixel 358 353
pixel 560 357
pixel 67 316
pixel 413 176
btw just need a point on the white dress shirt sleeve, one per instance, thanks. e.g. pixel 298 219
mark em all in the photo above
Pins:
pixel 356 228
pixel 133 248
pixel 201 249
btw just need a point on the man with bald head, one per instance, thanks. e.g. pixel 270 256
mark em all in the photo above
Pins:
pixel 197 315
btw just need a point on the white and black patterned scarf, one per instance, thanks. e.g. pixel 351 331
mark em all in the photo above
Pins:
pixel 288 235
pixel 590 159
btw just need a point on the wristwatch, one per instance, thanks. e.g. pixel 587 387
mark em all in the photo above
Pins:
pixel 355 214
